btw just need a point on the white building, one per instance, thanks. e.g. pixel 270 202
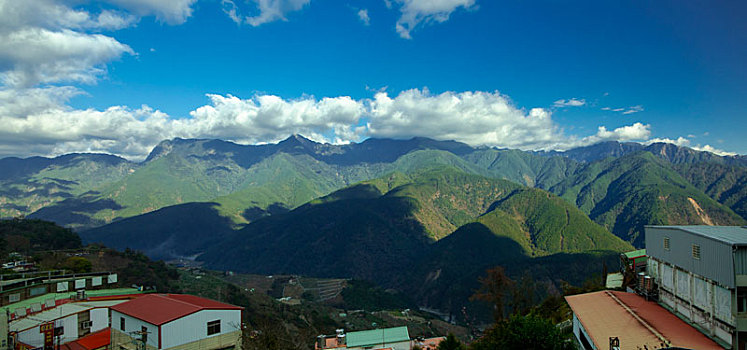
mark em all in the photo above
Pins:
pixel 75 320
pixel 175 321
pixel 701 273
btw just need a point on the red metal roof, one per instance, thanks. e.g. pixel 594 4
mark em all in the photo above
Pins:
pixel 158 309
pixel 635 321
pixel 96 340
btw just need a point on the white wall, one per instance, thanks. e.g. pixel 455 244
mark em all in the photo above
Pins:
pixel 194 327
pixel 33 337
pixel 135 325
pixel 99 319
pixel 70 330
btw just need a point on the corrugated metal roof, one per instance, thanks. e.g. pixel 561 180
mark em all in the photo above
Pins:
pixel 635 253
pixel 634 320
pixel 377 336
pixel 67 295
pixel 58 312
pixel 734 235
pixel 158 309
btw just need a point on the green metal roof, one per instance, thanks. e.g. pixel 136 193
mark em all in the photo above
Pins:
pixel 377 336
pixel 635 253
pixel 734 235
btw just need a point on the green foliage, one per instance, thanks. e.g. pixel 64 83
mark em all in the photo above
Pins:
pixel 77 264
pixel 30 235
pixel 363 295
pixel 451 343
pixel 626 193
pixel 529 332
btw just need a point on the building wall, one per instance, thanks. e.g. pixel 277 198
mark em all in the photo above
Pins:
pixel 3 331
pixel 33 336
pixel 132 325
pixel 579 332
pixel 193 327
pixel 716 258
pixel 222 341
pixel 99 319
pixel 405 345
pixel 699 300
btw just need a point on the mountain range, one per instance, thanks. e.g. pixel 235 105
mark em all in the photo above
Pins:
pixel 424 216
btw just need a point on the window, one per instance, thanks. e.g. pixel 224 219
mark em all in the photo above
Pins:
pixel 666 243
pixel 696 251
pixel 213 327
pixel 122 324
pixel 741 299
pixel 85 324
pixel 144 334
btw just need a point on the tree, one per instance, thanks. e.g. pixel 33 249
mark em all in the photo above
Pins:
pixel 529 332
pixel 78 264
pixel 493 289
pixel 451 343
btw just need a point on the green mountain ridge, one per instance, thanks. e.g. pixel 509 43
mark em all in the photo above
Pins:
pixel 622 193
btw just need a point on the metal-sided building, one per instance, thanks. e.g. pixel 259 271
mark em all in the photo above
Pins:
pixel 175 321
pixel 701 273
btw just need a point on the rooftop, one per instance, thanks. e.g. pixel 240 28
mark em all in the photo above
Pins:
pixel 92 341
pixel 158 309
pixel 734 235
pixel 91 294
pixel 635 321
pixel 635 253
pixel 377 336
pixel 58 312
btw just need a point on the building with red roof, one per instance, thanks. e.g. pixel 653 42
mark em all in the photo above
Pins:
pixel 175 321
pixel 632 321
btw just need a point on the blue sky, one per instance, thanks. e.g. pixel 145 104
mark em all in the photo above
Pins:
pixel 118 76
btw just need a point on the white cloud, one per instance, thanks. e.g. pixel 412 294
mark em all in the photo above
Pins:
pixel 633 109
pixel 363 15
pixel 636 132
pixel 477 118
pixel 49 42
pixel 32 56
pixel 419 12
pixel 38 121
pixel 624 110
pixel 169 11
pixel 683 142
pixel 269 10
pixel 573 102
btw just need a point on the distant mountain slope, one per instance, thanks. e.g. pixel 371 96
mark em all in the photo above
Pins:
pixel 27 185
pixel 626 193
pixel 363 233
pixel 177 231
pixel 522 167
pixel 667 151
pixel 724 183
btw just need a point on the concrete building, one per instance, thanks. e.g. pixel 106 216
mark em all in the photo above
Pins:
pixel 175 321
pixel 18 287
pixel 626 321
pixel 701 274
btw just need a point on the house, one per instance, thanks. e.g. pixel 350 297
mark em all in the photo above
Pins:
pixel 700 273
pixel 428 343
pixel 396 338
pixel 175 321
pixel 64 323
pixel 620 320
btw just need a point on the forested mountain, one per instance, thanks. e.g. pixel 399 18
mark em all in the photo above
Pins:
pixel 621 186
pixel 624 194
